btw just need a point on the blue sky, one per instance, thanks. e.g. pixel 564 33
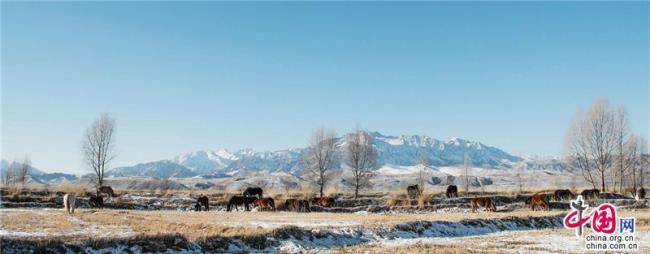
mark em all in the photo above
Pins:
pixel 184 77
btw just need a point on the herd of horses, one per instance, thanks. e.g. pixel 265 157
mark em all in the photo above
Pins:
pixel 536 201
pixel 252 197
pixel 94 201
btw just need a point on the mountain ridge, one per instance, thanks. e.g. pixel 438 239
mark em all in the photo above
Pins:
pixel 403 150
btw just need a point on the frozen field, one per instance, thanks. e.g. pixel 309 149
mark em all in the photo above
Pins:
pixel 181 231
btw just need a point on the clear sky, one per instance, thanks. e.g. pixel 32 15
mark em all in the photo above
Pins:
pixel 184 77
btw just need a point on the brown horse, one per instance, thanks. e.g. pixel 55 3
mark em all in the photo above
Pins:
pixel 564 195
pixel 413 191
pixel 452 191
pixel 297 205
pixel 539 200
pixel 323 202
pixel 590 194
pixel 483 202
pixel 96 202
pixel 265 203
pixel 253 191
pixel 106 190
pixel 236 201
pixel 202 201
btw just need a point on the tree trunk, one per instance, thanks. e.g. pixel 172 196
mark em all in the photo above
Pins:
pixel 602 181
pixel 356 188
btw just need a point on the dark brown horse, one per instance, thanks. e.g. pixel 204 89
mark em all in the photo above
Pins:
pixel 561 195
pixel 253 191
pixel 237 201
pixel 452 191
pixel 297 205
pixel 590 194
pixel 204 202
pixel 96 202
pixel 265 204
pixel 413 191
pixel 106 190
pixel 483 202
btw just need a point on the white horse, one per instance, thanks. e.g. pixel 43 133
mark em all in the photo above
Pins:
pixel 68 203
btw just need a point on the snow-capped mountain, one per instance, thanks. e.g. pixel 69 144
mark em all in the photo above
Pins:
pixel 159 169
pixel 404 150
pixel 205 162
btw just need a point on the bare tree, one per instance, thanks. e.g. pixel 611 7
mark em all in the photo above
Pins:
pixel 466 165
pixel 98 145
pixel 361 158
pixel 643 162
pixel 623 156
pixel 632 160
pixel 9 177
pixel 591 142
pixel 22 171
pixel 321 156
pixel 520 167
pixel 424 162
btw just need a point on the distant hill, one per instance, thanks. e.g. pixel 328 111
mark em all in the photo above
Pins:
pixel 39 176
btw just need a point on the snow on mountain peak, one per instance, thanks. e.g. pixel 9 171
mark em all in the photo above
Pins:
pixel 403 150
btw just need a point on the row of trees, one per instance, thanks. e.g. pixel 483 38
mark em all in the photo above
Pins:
pixel 359 155
pixel 17 173
pixel 602 147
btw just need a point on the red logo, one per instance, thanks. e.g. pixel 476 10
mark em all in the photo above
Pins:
pixel 603 218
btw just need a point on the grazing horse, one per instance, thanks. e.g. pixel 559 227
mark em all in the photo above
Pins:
pixel 96 201
pixel 106 190
pixel 236 201
pixel 324 201
pixel 68 203
pixel 539 200
pixel 253 191
pixel 452 191
pixel 590 194
pixel 265 203
pixel 413 191
pixel 297 205
pixel 202 201
pixel 483 202
pixel 560 195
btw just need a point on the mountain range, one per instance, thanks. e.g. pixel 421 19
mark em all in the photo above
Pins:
pixel 404 150
pixel 36 175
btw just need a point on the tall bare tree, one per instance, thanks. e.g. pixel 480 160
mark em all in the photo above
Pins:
pixel 591 142
pixel 465 180
pixel 520 167
pixel 23 171
pixel 97 146
pixel 361 158
pixel 622 138
pixel 320 157
pixel 9 176
pixel 424 162
pixel 643 162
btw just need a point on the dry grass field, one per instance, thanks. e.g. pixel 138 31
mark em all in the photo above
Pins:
pixel 107 222
pixel 32 220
